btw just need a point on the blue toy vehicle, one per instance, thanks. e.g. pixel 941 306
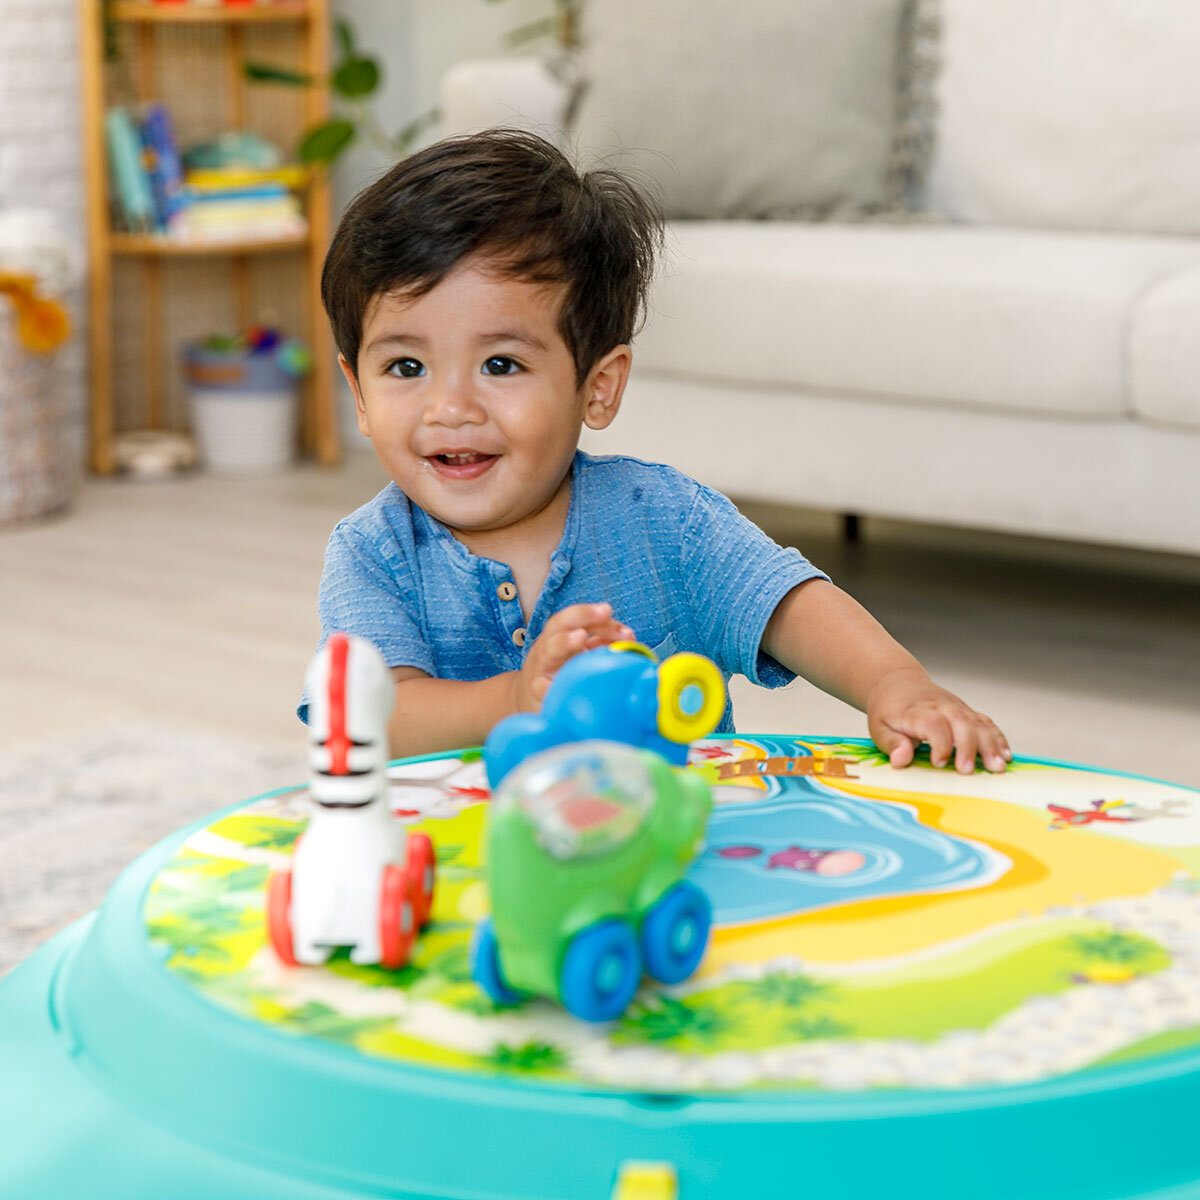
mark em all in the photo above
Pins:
pixel 618 693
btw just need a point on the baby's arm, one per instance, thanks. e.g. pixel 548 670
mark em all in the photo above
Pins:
pixel 820 632
pixel 444 714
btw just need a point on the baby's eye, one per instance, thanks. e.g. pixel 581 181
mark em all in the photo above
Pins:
pixel 405 368
pixel 500 364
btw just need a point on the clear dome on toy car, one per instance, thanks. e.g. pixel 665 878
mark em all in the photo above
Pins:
pixel 584 799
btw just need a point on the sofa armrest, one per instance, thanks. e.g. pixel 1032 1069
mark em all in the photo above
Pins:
pixel 520 92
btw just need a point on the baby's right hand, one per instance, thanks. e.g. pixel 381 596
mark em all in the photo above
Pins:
pixel 568 633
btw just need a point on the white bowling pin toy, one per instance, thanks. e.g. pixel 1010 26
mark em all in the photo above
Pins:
pixel 357 879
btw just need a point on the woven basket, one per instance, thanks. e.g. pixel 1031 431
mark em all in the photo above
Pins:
pixel 38 470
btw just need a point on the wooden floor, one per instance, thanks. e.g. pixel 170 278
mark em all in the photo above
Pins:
pixel 193 603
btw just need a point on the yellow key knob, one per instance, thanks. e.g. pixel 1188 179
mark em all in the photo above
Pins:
pixel 646 1181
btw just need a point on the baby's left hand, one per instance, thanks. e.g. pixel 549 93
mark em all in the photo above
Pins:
pixel 906 708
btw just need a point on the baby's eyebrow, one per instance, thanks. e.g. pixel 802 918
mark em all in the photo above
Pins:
pixel 396 339
pixel 512 335
pixel 413 339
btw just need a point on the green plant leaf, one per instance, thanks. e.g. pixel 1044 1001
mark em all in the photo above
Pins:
pixel 345 37
pixel 260 72
pixel 324 143
pixel 524 34
pixel 356 77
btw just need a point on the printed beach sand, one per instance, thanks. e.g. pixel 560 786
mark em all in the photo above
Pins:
pixel 874 929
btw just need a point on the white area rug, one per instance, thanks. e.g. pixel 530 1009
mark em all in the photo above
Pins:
pixel 75 810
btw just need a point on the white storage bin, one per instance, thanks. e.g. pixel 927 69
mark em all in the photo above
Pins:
pixel 243 410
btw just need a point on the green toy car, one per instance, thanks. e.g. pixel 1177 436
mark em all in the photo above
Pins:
pixel 587 848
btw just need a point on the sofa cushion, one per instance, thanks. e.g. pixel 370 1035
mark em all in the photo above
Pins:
pixel 991 318
pixel 765 109
pixel 1079 114
pixel 1164 352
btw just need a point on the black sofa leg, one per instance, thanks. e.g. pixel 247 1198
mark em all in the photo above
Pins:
pixel 850 528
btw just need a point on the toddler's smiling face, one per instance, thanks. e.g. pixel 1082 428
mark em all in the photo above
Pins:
pixel 468 394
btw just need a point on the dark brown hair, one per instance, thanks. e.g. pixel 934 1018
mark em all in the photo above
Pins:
pixel 516 198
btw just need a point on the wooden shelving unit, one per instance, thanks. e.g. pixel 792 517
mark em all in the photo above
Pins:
pixel 148 293
pixel 183 13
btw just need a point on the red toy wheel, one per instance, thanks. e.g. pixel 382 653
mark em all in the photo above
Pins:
pixel 420 867
pixel 279 916
pixel 397 919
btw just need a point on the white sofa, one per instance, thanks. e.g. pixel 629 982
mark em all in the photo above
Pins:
pixel 964 372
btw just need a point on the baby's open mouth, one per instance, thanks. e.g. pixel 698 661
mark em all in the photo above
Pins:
pixel 464 459
pixel 461 464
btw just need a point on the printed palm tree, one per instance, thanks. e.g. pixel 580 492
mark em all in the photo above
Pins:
pixel 665 1019
pixel 786 991
pixel 453 965
pixel 1113 946
pixel 320 1021
pixel 448 970
pixel 869 755
pixel 372 975
pixel 532 1056
pixel 193 931
pixel 269 835
pixel 818 1027
pixel 252 877
pixel 475 1001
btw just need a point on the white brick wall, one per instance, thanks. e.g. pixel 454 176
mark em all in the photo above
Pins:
pixel 41 149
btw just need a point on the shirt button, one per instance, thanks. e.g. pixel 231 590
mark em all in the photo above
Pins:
pixel 507 591
pixel 519 637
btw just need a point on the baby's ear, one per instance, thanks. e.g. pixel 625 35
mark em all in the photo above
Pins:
pixel 605 386
pixel 359 408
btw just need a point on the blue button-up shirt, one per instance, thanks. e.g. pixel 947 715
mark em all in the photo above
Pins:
pixel 676 560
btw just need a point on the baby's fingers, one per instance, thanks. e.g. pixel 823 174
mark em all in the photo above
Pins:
pixel 993 746
pixel 578 616
pixel 555 648
pixel 930 726
pixel 966 743
pixel 897 746
pixel 609 631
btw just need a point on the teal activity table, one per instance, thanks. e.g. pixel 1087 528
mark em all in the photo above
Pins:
pixel 919 984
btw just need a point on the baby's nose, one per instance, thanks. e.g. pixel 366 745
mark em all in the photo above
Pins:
pixel 454 404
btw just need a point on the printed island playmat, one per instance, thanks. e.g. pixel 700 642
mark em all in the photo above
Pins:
pixel 873 928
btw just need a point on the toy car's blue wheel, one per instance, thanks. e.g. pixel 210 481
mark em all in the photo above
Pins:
pixel 485 965
pixel 675 933
pixel 601 971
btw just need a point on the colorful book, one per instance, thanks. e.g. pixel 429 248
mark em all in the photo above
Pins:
pixel 223 178
pixel 132 196
pixel 267 191
pixel 160 155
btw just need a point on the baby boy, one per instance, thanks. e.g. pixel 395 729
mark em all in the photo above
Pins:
pixel 483 295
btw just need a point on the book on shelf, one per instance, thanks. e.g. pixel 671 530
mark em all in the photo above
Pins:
pixel 131 194
pixel 152 191
pixel 239 218
pixel 220 179
pixel 160 156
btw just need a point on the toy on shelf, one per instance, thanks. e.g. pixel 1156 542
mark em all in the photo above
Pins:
pixel 620 693
pixel 587 847
pixel 357 878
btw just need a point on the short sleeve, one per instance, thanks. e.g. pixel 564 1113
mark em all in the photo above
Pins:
pixel 362 594
pixel 735 576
